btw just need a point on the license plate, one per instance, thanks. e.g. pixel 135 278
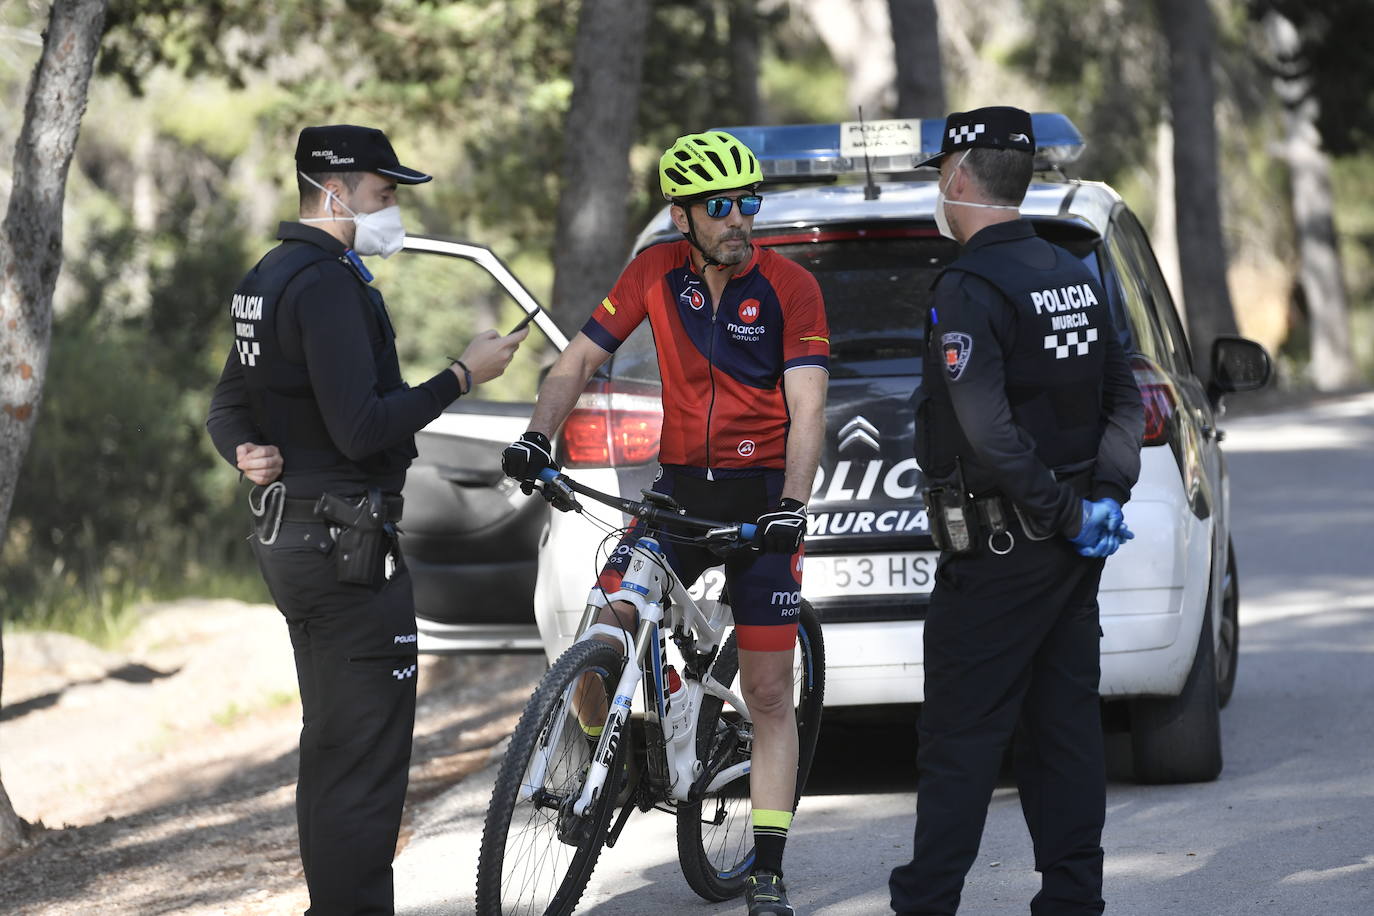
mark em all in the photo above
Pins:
pixel 833 576
pixel 830 576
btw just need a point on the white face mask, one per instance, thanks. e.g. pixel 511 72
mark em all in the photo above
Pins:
pixel 941 219
pixel 379 233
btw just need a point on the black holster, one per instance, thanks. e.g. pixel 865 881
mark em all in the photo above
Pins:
pixel 366 534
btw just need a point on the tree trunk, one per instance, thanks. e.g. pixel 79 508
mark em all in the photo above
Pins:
pixel 916 47
pixel 592 231
pixel 31 252
pixel 1309 174
pixel 1164 232
pixel 856 33
pixel 745 51
pixel 1190 31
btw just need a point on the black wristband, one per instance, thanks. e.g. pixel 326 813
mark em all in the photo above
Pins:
pixel 467 375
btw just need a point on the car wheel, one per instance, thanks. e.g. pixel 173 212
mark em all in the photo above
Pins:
pixel 1228 641
pixel 1178 739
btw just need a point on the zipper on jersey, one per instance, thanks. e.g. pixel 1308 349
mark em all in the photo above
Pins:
pixel 711 374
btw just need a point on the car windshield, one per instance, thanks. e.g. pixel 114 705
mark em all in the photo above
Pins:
pixel 877 291
pixel 877 296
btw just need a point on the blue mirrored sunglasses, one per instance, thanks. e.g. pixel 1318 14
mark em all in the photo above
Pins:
pixel 719 207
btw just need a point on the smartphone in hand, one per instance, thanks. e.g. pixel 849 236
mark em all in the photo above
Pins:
pixel 524 321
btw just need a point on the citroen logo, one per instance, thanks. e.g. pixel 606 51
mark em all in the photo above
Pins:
pixel 859 430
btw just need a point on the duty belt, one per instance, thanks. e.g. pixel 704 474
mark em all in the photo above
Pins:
pixel 305 510
pixel 959 519
pixel 271 507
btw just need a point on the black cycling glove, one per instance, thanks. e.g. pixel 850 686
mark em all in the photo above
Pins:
pixel 524 458
pixel 781 530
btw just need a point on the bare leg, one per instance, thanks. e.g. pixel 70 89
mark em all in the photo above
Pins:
pixel 766 679
pixel 590 700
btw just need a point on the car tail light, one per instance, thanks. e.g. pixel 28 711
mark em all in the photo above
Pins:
pixel 613 424
pixel 1159 397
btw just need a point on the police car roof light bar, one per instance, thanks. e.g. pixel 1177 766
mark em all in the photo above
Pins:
pixel 801 152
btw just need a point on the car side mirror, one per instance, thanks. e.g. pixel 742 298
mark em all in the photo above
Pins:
pixel 1238 364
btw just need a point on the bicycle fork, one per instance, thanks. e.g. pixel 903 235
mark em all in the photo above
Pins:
pixel 619 713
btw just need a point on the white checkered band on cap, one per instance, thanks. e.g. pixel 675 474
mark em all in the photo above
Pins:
pixel 966 133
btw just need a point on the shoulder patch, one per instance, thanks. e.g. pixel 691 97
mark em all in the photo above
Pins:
pixel 957 347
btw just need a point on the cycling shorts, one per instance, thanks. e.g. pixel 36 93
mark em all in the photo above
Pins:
pixel 763 589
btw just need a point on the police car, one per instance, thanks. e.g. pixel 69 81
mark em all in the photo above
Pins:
pixel 1168 599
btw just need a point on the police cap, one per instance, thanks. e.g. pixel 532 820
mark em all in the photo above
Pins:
pixel 998 127
pixel 349 148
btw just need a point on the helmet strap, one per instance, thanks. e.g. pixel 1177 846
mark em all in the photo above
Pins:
pixel 691 236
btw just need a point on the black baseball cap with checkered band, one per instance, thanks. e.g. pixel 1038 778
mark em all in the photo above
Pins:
pixel 997 127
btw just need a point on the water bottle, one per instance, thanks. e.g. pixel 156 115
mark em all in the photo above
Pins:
pixel 677 704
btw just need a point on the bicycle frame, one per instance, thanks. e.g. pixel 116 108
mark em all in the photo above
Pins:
pixel 647 581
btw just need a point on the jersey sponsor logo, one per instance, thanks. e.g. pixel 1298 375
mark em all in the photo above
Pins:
pixel 1072 341
pixel 746 332
pixel 958 348
pixel 745 448
pixel 786 599
pixel 749 311
pixel 798 560
pixel 1063 299
pixel 692 296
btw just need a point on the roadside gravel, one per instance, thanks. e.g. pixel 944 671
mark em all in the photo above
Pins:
pixel 160 778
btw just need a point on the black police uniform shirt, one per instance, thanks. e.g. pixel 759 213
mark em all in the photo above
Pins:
pixel 1025 378
pixel 317 375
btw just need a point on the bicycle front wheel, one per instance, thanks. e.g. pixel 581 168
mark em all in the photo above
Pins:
pixel 537 855
pixel 715 837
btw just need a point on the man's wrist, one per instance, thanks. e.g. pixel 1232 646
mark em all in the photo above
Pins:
pixel 464 374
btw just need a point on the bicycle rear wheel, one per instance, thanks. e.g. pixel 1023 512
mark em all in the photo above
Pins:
pixel 715 837
pixel 537 856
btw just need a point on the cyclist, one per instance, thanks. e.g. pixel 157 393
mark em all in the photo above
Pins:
pixel 743 351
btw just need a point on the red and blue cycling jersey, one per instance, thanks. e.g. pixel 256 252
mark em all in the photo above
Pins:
pixel 722 404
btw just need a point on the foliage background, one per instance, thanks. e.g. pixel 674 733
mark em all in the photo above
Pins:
pixel 183 170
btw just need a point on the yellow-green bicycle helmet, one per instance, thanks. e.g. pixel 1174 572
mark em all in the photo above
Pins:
pixel 701 163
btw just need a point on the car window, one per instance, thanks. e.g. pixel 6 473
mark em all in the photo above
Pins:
pixel 1125 282
pixel 877 296
pixel 1136 246
pixel 438 302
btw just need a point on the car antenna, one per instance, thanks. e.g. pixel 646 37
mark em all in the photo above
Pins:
pixel 871 190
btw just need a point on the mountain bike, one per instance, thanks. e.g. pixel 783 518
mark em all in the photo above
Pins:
pixel 688 754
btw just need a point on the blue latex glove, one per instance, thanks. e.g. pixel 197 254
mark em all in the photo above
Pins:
pixel 1108 544
pixel 1103 530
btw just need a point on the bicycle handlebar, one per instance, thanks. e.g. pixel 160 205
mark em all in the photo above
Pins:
pixel 654 515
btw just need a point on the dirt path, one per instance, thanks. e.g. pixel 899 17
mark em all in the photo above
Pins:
pixel 164 775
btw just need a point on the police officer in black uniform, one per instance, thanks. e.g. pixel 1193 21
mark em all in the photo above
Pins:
pixel 1028 430
pixel 312 409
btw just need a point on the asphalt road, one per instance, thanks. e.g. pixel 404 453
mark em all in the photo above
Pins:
pixel 1288 828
